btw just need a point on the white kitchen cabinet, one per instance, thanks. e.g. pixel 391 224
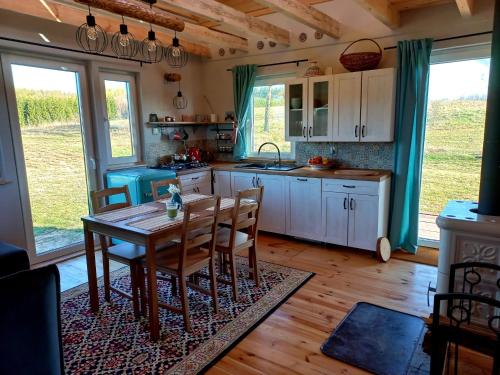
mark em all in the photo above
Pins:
pixel 320 106
pixel 335 217
pixel 296 110
pixel 364 106
pixel 196 182
pixel 303 214
pixel 308 109
pixel 346 108
pixel 363 221
pixel 273 210
pixel 222 183
pixel 356 212
pixel 242 181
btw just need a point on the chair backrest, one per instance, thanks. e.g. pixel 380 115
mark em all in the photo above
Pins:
pixel 199 226
pixel 156 186
pixel 100 202
pixel 455 327
pixel 246 213
pixel 30 323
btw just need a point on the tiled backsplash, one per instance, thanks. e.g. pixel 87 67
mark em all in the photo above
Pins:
pixel 355 155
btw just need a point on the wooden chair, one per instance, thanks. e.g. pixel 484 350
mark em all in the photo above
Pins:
pixel 194 252
pixel 156 185
pixel 231 241
pixel 124 253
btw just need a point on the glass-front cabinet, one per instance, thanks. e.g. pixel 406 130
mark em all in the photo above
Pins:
pixel 309 105
pixel 296 110
pixel 320 109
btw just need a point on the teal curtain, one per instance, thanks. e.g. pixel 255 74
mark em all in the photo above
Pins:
pixel 243 82
pixel 411 111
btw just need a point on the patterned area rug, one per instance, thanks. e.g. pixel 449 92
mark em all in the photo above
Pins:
pixel 113 342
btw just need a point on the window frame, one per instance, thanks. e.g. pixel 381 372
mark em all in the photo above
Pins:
pixel 130 78
pixel 266 81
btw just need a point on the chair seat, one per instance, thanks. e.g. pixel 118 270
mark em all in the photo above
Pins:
pixel 129 252
pixel 169 259
pixel 240 241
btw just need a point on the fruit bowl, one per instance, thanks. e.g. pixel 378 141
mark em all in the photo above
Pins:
pixel 321 167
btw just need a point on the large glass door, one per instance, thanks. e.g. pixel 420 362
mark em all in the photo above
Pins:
pixel 54 155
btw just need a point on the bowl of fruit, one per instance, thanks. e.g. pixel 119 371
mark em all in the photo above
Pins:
pixel 320 163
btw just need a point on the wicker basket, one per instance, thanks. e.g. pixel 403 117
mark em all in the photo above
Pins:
pixel 355 62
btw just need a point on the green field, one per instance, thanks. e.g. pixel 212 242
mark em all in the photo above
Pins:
pixel 453 149
pixel 56 180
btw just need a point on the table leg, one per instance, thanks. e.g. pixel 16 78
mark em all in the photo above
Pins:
pixel 154 323
pixel 91 271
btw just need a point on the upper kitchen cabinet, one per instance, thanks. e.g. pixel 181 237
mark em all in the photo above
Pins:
pixel 364 106
pixel 309 103
pixel 320 105
pixel 296 110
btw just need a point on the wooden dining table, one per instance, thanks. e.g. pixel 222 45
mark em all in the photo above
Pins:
pixel 123 230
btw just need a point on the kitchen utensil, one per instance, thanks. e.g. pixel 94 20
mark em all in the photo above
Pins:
pixel 185 134
pixel 194 154
pixel 153 117
pixel 355 62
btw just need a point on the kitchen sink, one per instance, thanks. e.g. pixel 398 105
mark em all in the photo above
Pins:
pixel 269 167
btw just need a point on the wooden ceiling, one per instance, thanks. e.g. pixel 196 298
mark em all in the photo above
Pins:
pixel 201 21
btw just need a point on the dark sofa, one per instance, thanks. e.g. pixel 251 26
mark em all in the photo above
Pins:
pixel 30 326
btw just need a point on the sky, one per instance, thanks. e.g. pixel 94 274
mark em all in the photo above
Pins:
pixel 459 79
pixel 28 77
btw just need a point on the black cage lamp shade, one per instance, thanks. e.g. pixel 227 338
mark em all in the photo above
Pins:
pixel 123 42
pixel 180 101
pixel 152 48
pixel 91 37
pixel 175 54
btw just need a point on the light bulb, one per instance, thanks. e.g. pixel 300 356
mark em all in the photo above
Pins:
pixel 124 40
pixel 176 52
pixel 92 33
pixel 151 46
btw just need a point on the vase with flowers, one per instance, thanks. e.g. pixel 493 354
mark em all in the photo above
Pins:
pixel 175 192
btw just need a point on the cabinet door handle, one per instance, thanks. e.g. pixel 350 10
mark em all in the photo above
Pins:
pixel 259 182
pixel 253 182
pixel 304 132
pixel 195 178
pixel 345 203
pixel 363 128
pixel 310 131
pixel 351 204
pixel 301 179
pixel 356 131
pixel 349 186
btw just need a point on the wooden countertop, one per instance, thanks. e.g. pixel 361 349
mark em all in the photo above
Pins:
pixel 380 174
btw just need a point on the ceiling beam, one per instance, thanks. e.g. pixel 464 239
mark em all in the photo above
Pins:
pixel 234 18
pixel 75 17
pixel 141 11
pixel 383 11
pixel 305 14
pixel 465 7
pixel 138 10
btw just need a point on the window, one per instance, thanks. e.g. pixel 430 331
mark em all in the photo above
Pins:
pixel 267 121
pixel 456 111
pixel 121 115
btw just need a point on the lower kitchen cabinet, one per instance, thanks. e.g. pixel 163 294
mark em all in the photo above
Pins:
pixel 242 181
pixel 197 182
pixel 303 198
pixel 272 215
pixel 363 221
pixel 222 183
pixel 335 217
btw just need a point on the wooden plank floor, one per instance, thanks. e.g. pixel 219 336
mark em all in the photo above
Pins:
pixel 288 341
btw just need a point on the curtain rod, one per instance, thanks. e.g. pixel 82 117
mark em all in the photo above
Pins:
pixel 450 38
pixel 71 50
pixel 297 62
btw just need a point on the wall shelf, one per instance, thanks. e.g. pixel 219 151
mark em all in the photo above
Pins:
pixel 159 124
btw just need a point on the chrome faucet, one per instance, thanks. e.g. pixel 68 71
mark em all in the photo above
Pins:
pixel 277 148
